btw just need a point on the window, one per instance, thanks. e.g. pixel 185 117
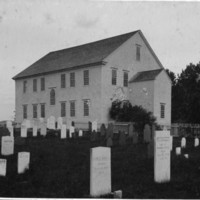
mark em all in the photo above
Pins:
pixel 125 79
pixel 25 111
pixel 72 79
pixel 34 85
pixel 52 97
pixel 114 77
pixel 42 109
pixel 72 108
pixel 63 109
pixel 138 52
pixel 34 110
pixel 42 81
pixel 162 110
pixel 86 77
pixel 24 86
pixel 63 81
pixel 86 107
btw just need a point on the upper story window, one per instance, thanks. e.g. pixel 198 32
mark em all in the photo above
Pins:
pixel 52 97
pixel 63 109
pixel 125 79
pixel 162 110
pixel 34 85
pixel 34 110
pixel 86 107
pixel 72 79
pixel 24 86
pixel 138 48
pixel 114 76
pixel 86 77
pixel 63 80
pixel 25 110
pixel 72 108
pixel 42 109
pixel 42 84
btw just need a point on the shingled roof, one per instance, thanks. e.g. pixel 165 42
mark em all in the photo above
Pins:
pixel 87 54
pixel 145 76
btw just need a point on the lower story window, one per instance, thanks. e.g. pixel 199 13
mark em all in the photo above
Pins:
pixel 63 109
pixel 42 106
pixel 86 103
pixel 25 111
pixel 34 110
pixel 162 110
pixel 72 108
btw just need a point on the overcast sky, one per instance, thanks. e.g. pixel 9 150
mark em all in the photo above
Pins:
pixel 30 29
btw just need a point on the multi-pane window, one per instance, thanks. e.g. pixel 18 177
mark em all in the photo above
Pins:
pixel 63 109
pixel 25 111
pixel 63 81
pixel 86 77
pixel 138 47
pixel 42 109
pixel 34 85
pixel 24 86
pixel 52 97
pixel 72 108
pixel 114 77
pixel 42 84
pixel 72 79
pixel 125 79
pixel 86 107
pixel 34 110
pixel 162 110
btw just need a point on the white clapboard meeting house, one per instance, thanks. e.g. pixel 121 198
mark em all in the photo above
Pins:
pixel 79 83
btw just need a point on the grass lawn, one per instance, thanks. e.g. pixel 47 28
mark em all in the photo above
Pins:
pixel 60 169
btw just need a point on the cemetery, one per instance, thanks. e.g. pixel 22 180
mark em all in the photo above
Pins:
pixel 56 160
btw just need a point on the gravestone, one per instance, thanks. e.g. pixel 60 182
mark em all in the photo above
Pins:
pixel 23 162
pixel 94 126
pixel 109 142
pixel 3 166
pixel 196 142
pixel 100 171
pixel 63 131
pixel 162 157
pixel 122 138
pixel 147 133
pixel 178 151
pixel 7 145
pixel 26 123
pixel 186 156
pixel 9 124
pixel 59 123
pixel 11 130
pixel 51 122
pixel 69 124
pixel 131 131
pixel 183 142
pixel 103 130
pixel 80 133
pixel 23 131
pixel 43 129
pixel 117 194
pixel 35 129
pixel 109 132
pixel 71 130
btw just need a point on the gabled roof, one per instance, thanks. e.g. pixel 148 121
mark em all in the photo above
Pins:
pixel 83 55
pixel 145 76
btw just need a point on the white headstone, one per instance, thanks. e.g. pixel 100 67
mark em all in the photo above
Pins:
pixel 186 156
pixel 196 142
pixel 183 142
pixel 51 122
pixel 43 129
pixel 63 131
pixel 80 133
pixel 23 162
pixel 162 156
pixel 117 194
pixel 71 130
pixel 100 171
pixel 178 151
pixel 59 123
pixel 94 125
pixel 3 163
pixel 8 124
pixel 23 131
pixel 7 145
pixel 35 128
pixel 26 123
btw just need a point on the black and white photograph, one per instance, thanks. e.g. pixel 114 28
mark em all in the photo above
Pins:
pixel 99 99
